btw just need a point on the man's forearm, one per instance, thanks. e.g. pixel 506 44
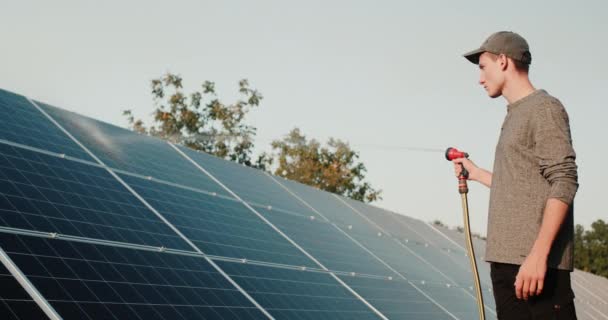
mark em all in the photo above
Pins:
pixel 554 215
pixel 482 176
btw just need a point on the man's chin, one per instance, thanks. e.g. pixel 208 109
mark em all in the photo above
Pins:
pixel 494 95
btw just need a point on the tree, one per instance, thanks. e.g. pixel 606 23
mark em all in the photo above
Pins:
pixel 581 255
pixel 333 167
pixel 591 248
pixel 200 120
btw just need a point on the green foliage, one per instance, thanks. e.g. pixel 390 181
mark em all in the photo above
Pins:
pixel 591 248
pixel 333 167
pixel 200 120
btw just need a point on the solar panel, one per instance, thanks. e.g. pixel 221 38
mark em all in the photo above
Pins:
pixel 432 251
pixel 218 226
pixel 403 258
pixel 48 193
pixel 398 299
pixel 109 224
pixel 343 240
pixel 125 150
pixel 21 122
pixel 88 281
pixel 253 186
pixel 297 221
pixel 430 246
pixel 296 294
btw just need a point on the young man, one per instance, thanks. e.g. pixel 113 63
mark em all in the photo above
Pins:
pixel 532 187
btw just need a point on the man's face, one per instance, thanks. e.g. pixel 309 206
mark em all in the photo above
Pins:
pixel 491 75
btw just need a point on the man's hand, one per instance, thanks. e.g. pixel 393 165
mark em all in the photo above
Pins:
pixel 475 173
pixel 467 164
pixel 531 276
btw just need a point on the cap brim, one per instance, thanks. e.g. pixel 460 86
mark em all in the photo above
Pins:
pixel 473 56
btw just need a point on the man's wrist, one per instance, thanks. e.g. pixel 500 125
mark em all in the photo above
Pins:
pixel 540 251
pixel 474 174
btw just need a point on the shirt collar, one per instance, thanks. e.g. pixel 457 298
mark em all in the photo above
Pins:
pixel 512 106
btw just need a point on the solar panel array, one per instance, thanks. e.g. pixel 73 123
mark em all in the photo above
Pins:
pixel 98 222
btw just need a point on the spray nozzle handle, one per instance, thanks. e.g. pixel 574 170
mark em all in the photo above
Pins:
pixel 464 173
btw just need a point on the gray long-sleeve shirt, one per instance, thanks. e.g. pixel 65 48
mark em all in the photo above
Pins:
pixel 534 161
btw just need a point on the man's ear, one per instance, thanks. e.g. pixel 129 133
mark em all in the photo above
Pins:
pixel 503 62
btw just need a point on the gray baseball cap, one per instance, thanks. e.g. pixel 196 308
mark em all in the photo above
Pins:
pixel 508 43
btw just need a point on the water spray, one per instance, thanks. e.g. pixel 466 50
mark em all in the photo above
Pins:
pixel 463 189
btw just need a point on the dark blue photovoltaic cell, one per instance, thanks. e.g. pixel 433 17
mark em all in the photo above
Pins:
pixel 331 247
pixel 22 123
pixel 326 243
pixel 253 186
pixel 480 250
pixel 455 256
pixel 336 250
pixel 327 205
pixel 401 229
pixel 85 281
pixel 395 254
pixel 397 299
pixel 457 301
pixel 300 295
pixel 218 226
pixel 431 251
pixel 125 150
pixel 412 260
pixel 50 194
pixel 15 302
pixel 458 237
pixel 482 266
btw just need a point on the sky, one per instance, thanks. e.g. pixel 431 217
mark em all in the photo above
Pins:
pixel 382 75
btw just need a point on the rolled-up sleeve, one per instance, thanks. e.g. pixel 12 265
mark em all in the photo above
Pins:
pixel 554 151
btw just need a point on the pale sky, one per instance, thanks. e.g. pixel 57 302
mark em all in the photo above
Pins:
pixel 378 74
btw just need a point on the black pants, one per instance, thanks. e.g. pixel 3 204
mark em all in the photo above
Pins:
pixel 556 302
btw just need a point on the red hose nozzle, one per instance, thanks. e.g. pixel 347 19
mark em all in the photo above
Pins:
pixel 453 153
